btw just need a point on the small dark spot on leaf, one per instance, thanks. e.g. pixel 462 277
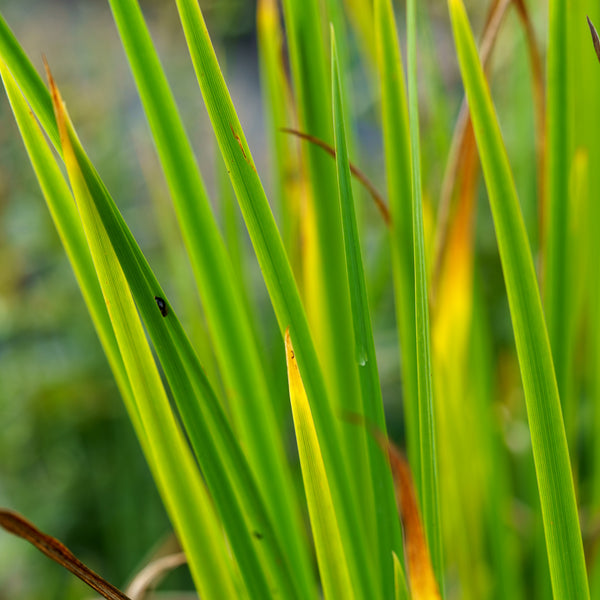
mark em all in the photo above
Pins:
pixel 162 306
pixel 257 535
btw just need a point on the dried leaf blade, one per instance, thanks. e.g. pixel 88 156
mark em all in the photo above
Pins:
pixel 58 552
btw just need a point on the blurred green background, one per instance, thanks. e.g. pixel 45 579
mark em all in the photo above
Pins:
pixel 68 458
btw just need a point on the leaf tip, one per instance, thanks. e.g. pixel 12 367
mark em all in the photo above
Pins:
pixel 57 101
pixel 455 6
pixel 267 8
pixel 53 89
pixel 595 38
pixel 289 349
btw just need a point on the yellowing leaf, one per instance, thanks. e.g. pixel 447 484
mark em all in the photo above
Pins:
pixel 423 585
pixel 333 567
pixel 184 493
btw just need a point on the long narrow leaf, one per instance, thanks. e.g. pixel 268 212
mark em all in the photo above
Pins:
pixel 556 257
pixel 325 291
pixel 227 314
pixel 429 479
pixel 225 458
pixel 218 451
pixel 364 346
pixel 277 274
pixel 396 140
pixel 277 101
pixel 328 542
pixel 327 299
pixel 185 496
pixel 555 483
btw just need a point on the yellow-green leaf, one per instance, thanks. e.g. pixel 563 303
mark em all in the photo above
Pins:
pixel 184 493
pixel 328 543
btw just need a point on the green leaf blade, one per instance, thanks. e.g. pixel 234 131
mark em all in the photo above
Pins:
pixel 429 478
pixel 222 459
pixel 555 483
pixel 396 138
pixel 325 288
pixel 178 478
pixel 278 277
pixel 227 314
pixel 31 83
pixel 277 110
pixel 218 451
pixel 386 518
pixel 556 256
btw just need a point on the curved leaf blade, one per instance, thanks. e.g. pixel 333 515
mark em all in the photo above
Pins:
pixel 218 450
pixel 227 315
pixel 179 481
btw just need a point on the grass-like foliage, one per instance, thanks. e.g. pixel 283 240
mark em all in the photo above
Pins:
pixel 209 407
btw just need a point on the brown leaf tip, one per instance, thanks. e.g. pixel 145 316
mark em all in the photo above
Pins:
pixel 52 548
pixel 595 38
pixel 56 98
pixel 53 88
